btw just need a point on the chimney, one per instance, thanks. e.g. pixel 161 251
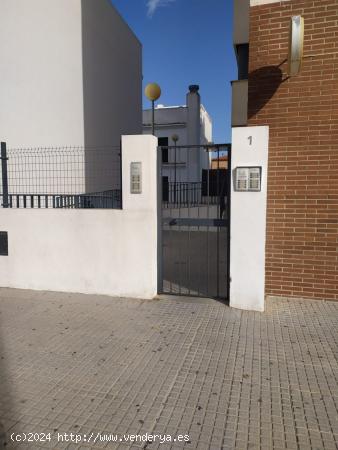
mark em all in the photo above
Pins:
pixel 194 131
pixel 193 122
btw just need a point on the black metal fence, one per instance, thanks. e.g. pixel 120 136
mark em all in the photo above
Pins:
pixel 62 177
pixel 194 175
pixel 183 194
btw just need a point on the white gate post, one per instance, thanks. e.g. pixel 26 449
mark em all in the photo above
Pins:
pixel 140 195
pixel 248 219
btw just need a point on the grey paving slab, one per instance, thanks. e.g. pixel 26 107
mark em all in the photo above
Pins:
pixel 84 372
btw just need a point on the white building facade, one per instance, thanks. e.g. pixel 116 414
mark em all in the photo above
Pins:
pixel 72 78
pixel 68 80
pixel 192 125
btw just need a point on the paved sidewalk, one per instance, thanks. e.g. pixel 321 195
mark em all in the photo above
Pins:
pixel 228 379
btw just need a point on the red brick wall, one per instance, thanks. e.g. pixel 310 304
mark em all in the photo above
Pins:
pixel 302 112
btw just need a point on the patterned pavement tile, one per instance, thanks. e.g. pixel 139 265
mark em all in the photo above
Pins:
pixel 88 370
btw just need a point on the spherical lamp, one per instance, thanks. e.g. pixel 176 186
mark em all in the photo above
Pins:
pixel 153 93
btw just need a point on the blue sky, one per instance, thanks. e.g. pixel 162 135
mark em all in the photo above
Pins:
pixel 187 42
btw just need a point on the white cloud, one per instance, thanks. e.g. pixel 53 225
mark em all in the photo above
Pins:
pixel 154 4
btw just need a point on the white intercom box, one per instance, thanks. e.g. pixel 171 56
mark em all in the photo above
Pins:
pixel 248 179
pixel 136 178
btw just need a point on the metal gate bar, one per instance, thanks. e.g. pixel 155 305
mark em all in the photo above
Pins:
pixel 195 205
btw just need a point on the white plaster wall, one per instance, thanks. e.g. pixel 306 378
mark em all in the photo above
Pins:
pixel 206 138
pixel 112 75
pixel 111 252
pixel 168 131
pixel 165 115
pixel 206 126
pixel 248 222
pixel 66 77
pixel 140 149
pixel 174 120
pixel 171 120
pixel 108 252
pixel 168 170
pixel 41 87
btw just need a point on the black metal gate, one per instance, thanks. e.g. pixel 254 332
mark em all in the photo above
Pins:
pixel 195 220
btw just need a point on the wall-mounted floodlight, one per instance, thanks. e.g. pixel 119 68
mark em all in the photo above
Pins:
pixel 296 45
pixel 153 93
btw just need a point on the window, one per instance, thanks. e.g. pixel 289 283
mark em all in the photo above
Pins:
pixel 242 53
pixel 164 142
